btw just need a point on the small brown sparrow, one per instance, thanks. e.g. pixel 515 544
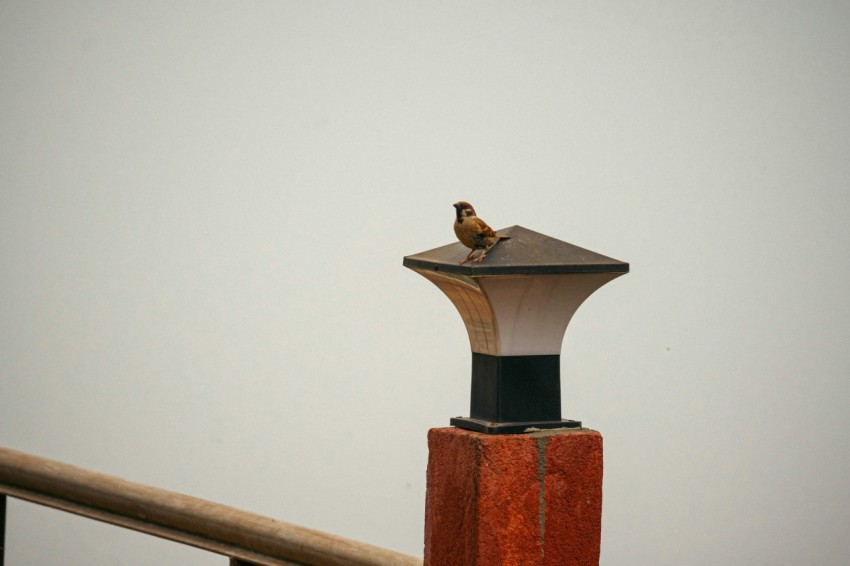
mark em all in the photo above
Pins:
pixel 474 232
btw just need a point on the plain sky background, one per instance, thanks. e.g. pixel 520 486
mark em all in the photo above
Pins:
pixel 204 208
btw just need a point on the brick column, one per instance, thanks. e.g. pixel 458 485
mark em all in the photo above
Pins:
pixel 530 499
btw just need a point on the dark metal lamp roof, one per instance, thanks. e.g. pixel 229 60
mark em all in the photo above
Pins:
pixel 526 252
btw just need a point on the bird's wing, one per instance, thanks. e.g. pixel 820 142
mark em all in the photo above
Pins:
pixel 482 228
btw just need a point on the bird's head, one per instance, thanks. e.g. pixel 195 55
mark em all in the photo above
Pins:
pixel 463 210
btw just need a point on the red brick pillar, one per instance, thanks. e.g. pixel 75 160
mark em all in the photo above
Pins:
pixel 513 500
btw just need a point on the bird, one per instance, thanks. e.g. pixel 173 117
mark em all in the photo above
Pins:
pixel 473 232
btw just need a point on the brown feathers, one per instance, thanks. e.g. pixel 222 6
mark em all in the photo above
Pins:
pixel 474 232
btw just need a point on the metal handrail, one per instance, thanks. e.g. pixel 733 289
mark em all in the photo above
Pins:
pixel 245 537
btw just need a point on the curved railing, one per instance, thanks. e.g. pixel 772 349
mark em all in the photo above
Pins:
pixel 247 538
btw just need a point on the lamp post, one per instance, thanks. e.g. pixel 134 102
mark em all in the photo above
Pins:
pixel 516 305
pixel 496 496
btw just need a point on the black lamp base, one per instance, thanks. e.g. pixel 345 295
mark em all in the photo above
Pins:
pixel 511 394
pixel 488 427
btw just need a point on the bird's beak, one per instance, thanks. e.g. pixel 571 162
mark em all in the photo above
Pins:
pixel 456 205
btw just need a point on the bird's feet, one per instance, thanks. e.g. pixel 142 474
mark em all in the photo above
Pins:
pixel 467 258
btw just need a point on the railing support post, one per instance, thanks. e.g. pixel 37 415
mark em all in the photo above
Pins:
pixel 2 528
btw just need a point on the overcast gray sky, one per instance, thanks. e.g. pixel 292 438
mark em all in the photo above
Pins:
pixel 204 207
